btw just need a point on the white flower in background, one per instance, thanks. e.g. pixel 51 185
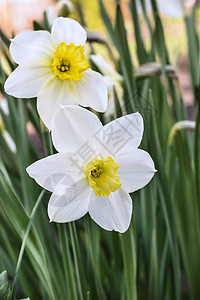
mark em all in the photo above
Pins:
pixel 171 8
pixel 51 14
pixel 4 106
pixel 6 135
pixel 63 8
pixel 105 68
pixel 95 169
pixel 113 81
pixel 53 67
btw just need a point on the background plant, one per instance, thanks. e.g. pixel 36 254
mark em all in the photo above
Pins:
pixel 159 256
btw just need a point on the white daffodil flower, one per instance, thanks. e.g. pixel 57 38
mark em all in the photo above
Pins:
pixel 63 8
pixel 96 168
pixel 113 81
pixel 105 67
pixel 53 68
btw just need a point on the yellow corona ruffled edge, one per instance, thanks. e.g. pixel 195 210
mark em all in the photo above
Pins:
pixel 69 62
pixel 102 176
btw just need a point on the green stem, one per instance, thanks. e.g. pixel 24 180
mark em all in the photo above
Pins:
pixel 129 259
pixel 76 261
pixel 196 148
pixel 196 157
pixel 67 261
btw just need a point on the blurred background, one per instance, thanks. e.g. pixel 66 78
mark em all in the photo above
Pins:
pixel 18 15
pixel 158 258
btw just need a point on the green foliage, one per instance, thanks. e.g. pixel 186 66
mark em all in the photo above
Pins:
pixel 159 256
pixel 5 290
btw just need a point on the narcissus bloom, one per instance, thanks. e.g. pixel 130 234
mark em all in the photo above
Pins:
pixel 96 168
pixel 113 81
pixel 53 68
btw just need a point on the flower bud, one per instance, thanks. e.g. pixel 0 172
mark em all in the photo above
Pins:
pixel 64 8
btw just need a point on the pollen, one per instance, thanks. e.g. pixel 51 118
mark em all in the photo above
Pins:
pixel 102 176
pixel 69 62
pixel 96 172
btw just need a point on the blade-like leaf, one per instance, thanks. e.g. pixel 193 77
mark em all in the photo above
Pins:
pixel 5 290
pixel 19 220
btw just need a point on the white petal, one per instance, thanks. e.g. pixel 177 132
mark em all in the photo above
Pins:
pixel 52 95
pixel 91 91
pixel 123 132
pixel 86 92
pixel 74 126
pixel 105 67
pixel 9 140
pixel 57 172
pixel 110 83
pixel 28 78
pixel 51 14
pixel 72 205
pixel 31 44
pixel 136 169
pixel 69 31
pixel 112 212
pixel 110 113
pixel 4 106
pixel 171 8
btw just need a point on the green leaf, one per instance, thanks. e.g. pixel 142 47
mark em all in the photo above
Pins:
pixel 129 258
pixel 141 51
pixel 37 26
pixel 118 109
pixel 19 219
pixel 193 47
pixel 5 290
pixel 125 57
pixel 67 262
pixel 107 22
pixel 4 39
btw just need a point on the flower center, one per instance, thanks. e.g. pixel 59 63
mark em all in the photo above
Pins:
pixel 69 62
pixel 102 176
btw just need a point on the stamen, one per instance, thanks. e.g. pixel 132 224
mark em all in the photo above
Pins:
pixel 97 171
pixel 69 62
